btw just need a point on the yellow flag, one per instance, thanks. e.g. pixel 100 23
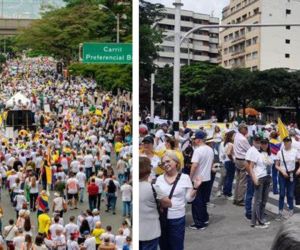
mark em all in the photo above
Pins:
pixel 283 132
pixel 49 175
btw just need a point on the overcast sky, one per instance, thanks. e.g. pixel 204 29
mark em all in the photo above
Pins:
pixel 201 6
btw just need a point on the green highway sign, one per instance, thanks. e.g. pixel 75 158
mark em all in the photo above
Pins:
pixel 108 53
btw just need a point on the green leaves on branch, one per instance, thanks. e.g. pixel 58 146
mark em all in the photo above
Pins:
pixel 149 36
pixel 60 31
pixel 108 77
pixel 211 87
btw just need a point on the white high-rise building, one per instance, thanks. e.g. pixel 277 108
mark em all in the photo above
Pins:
pixel 261 48
pixel 202 45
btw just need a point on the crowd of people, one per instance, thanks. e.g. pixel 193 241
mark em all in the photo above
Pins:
pixel 177 169
pixel 66 172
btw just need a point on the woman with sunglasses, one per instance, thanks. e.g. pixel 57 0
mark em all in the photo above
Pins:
pixel 260 163
pixel 173 236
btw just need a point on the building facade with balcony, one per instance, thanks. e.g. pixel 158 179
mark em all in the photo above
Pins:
pixel 201 45
pixel 261 48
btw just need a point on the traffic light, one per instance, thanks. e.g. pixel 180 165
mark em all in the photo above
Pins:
pixel 157 93
pixel 59 68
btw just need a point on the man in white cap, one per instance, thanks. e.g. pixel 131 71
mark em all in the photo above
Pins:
pixel 202 162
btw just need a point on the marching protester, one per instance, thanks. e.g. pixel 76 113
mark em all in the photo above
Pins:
pixel 50 164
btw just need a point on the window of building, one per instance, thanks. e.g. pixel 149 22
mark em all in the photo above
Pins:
pixel 167 49
pixel 242 32
pixel 238 6
pixel 248 42
pixel 255 40
pixel 225 51
pixel 288 27
pixel 230 36
pixel 225 38
pixel 225 63
pixel 238 20
pixel 170 16
pixel 244 17
pixel 254 68
pixel 186 18
pixel 287 41
pixel 248 56
pixel 256 11
pixel 287 55
pixel 236 34
pixel 288 11
pixel 248 29
pixel 254 55
pixel 230 49
pixel 232 9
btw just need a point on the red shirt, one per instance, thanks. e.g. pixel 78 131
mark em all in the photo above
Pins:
pixel 93 189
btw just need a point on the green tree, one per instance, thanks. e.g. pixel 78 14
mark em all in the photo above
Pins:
pixel 108 77
pixel 150 37
pixel 60 31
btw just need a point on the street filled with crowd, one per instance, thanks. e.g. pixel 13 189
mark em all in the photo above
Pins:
pixel 179 169
pixel 69 168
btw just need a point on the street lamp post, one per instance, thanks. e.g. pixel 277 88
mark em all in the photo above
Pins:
pixel 179 41
pixel 176 73
pixel 117 16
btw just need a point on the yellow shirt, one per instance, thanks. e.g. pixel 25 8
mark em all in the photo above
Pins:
pixel 127 128
pixel 44 223
pixel 118 147
pixel 97 232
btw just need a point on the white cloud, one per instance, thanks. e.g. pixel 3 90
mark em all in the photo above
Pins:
pixel 200 6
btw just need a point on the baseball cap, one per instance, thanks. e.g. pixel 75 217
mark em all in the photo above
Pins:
pixel 242 125
pixel 199 135
pixel 288 138
pixel 148 139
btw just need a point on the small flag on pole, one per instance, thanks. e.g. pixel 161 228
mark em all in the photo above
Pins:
pixel 283 132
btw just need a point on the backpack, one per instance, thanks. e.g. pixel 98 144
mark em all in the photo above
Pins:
pixel 111 187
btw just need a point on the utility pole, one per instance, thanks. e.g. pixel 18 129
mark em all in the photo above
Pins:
pixel 176 72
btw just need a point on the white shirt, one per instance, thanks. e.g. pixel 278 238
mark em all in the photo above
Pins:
pixel 126 191
pixel 81 177
pixel 120 241
pixel 108 235
pixel 99 182
pixel 58 201
pixel 261 161
pixel 204 157
pixel 88 161
pixel 71 228
pixel 72 186
pixel 72 245
pixel 90 243
pixel 18 240
pixel 240 146
pixel 290 156
pixel 54 227
pixel 179 197
pixel 74 166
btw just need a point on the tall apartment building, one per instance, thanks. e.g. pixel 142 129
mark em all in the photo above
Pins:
pixel 202 45
pixel 261 48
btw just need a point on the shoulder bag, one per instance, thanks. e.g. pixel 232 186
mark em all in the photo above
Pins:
pixel 291 174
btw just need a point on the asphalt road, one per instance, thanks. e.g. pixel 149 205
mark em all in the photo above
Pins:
pixel 228 230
